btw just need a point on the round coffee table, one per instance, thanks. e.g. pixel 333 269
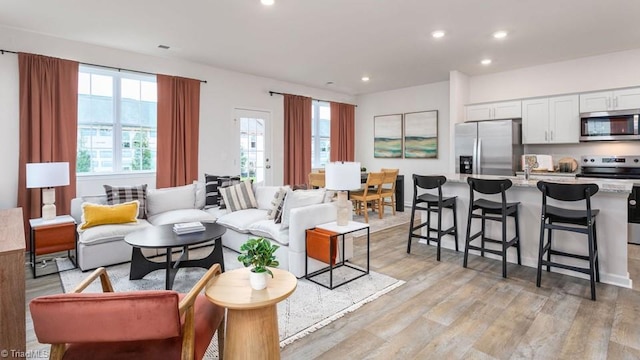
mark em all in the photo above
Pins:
pixel 162 236
pixel 252 318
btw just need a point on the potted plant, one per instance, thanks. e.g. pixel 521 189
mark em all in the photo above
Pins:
pixel 259 254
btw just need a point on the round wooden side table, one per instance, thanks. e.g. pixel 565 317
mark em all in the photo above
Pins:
pixel 252 318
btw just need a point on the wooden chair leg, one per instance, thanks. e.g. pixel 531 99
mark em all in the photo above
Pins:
pixel 221 328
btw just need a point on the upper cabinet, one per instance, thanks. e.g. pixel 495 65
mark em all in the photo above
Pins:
pixel 553 120
pixel 610 100
pixel 492 111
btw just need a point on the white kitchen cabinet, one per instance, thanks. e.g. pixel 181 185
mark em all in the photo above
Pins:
pixel 623 99
pixel 553 120
pixel 493 111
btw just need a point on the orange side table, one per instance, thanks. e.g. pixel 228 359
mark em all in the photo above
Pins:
pixel 252 318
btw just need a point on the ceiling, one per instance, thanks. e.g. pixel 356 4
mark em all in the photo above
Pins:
pixel 315 42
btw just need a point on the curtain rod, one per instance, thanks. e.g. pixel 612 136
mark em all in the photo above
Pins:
pixel 102 66
pixel 279 93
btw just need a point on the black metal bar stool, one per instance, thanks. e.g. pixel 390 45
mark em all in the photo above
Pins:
pixel 584 222
pixel 495 211
pixel 433 204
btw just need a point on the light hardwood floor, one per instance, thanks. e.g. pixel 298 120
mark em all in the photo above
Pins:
pixel 447 312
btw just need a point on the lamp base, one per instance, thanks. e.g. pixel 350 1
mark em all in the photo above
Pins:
pixel 344 209
pixel 49 207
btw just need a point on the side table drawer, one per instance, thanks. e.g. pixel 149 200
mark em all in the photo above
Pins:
pixel 54 238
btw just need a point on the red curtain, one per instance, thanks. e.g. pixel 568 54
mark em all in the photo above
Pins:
pixel 48 126
pixel 342 132
pixel 178 131
pixel 297 139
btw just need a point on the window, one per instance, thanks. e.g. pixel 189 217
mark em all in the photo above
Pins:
pixel 320 133
pixel 116 121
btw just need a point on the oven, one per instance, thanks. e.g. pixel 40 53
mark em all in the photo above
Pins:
pixel 618 167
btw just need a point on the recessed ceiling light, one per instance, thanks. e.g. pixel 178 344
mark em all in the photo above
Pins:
pixel 365 78
pixel 500 34
pixel 267 2
pixel 438 34
pixel 485 61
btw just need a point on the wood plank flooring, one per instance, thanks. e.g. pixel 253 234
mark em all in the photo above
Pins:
pixel 445 311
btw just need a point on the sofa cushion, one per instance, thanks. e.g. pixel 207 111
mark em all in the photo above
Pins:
pixel 172 198
pixel 239 196
pixel 241 220
pixel 108 233
pixel 271 230
pixel 122 194
pixel 300 198
pixel 181 215
pixel 95 214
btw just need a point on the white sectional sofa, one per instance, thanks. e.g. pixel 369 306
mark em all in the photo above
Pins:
pixel 104 245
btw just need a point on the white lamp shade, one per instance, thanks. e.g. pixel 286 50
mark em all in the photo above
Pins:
pixel 43 175
pixel 342 176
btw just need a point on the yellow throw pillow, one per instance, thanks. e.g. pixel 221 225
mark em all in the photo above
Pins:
pixel 94 214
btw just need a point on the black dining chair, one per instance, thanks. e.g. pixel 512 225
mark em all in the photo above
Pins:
pixel 495 211
pixel 572 220
pixel 431 203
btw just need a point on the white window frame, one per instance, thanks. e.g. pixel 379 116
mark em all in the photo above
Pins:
pixel 117 126
pixel 317 139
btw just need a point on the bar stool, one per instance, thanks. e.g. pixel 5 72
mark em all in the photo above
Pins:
pixel 433 204
pixel 584 222
pixel 495 211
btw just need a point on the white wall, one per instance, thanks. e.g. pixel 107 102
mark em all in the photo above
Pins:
pixel 224 91
pixel 418 98
pixel 614 70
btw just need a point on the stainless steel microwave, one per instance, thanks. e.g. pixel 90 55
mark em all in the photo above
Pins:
pixel 609 125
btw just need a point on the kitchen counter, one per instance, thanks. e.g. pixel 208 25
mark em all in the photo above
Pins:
pixel 611 199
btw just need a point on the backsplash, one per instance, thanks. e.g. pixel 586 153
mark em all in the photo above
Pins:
pixel 586 148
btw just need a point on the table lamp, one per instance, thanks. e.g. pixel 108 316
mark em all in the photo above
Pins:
pixel 46 176
pixel 342 176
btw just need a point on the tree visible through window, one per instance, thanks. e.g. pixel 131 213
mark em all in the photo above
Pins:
pixel 117 121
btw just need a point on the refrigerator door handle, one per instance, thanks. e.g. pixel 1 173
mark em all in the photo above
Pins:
pixel 475 157
pixel 479 168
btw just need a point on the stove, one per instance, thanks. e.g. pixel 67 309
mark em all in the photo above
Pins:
pixel 610 167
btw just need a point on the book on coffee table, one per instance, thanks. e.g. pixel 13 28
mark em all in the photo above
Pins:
pixel 188 227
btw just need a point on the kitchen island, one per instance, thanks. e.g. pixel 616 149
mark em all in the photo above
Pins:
pixel 612 231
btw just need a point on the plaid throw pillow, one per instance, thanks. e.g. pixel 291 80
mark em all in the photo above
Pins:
pixel 123 194
pixel 277 217
pixel 276 203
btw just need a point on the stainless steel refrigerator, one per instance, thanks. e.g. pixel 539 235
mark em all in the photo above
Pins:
pixel 489 147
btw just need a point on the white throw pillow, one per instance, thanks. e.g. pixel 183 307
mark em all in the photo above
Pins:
pixel 201 194
pixel 173 198
pixel 264 195
pixel 300 198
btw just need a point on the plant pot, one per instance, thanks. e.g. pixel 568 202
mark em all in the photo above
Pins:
pixel 258 281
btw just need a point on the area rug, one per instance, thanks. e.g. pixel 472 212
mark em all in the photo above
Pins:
pixel 309 308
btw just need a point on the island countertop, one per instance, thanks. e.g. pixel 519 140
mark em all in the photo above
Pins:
pixel 605 185
pixel 611 199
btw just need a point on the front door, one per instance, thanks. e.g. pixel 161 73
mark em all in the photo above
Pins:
pixel 253 132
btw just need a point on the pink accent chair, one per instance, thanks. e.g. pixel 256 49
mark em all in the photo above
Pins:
pixel 129 325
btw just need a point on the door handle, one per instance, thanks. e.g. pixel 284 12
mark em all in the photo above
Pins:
pixel 268 167
pixel 615 102
pixel 545 136
pixel 551 135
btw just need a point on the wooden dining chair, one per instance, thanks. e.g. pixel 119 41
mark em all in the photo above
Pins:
pixel 316 180
pixel 370 193
pixel 388 190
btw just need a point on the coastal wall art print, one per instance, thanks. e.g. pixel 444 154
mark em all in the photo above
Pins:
pixel 387 136
pixel 421 135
